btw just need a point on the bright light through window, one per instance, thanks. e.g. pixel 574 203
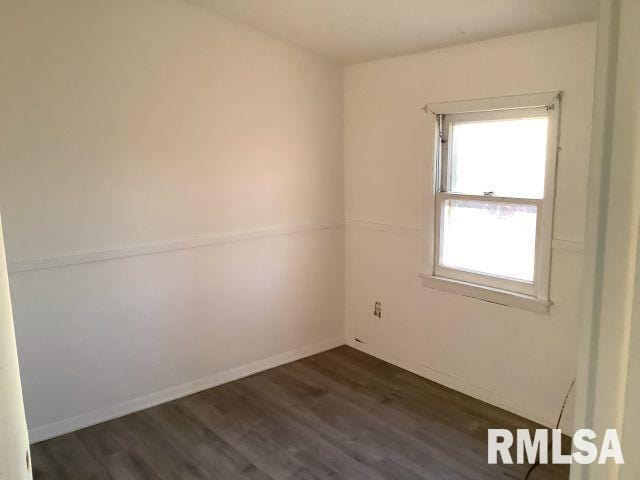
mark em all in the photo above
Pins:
pixel 506 157
pixel 491 238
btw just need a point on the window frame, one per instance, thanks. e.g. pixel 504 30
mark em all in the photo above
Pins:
pixel 530 295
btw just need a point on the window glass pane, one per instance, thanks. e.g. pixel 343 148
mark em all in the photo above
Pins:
pixel 491 238
pixel 506 157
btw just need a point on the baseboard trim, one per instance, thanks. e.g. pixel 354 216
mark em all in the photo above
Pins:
pixel 152 249
pixel 454 383
pixel 95 417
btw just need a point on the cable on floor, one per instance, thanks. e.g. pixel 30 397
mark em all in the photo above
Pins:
pixel 564 404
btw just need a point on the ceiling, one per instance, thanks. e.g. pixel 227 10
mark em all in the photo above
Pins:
pixel 351 31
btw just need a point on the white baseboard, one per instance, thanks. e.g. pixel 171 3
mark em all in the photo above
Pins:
pixel 456 384
pixel 72 424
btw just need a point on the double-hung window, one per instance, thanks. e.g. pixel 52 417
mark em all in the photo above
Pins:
pixel 493 198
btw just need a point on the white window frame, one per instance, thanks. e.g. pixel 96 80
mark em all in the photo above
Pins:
pixel 529 295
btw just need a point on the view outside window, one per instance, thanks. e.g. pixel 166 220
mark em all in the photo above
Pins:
pixel 492 238
pixel 506 157
pixel 497 158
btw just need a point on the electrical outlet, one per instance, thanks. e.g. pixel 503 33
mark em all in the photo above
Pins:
pixel 377 309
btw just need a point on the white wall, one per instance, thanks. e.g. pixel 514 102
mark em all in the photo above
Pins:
pixel 512 358
pixel 149 127
pixel 172 190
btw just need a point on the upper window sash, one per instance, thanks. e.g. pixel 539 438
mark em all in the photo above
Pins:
pixel 445 136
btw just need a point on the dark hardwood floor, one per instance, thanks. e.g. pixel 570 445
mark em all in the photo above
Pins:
pixel 340 415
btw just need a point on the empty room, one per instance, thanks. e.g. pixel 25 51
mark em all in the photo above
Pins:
pixel 313 239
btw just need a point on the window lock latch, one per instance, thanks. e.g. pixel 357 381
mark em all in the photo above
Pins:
pixel 488 194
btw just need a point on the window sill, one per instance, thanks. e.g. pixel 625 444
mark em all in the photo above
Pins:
pixel 488 294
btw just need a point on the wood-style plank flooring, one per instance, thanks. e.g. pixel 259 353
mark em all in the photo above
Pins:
pixel 341 414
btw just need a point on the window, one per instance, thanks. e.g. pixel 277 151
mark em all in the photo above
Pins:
pixel 493 198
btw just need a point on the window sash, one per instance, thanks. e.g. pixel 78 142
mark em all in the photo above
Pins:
pixel 446 123
pixel 490 198
pixel 486 279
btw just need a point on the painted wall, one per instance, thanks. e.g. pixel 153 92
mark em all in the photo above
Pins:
pixel 172 189
pixel 144 129
pixel 15 461
pixel 512 358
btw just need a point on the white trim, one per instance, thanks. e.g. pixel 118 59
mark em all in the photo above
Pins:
pixel 457 384
pixel 606 309
pixel 487 294
pixel 544 232
pixel 544 105
pixel 483 280
pixel 489 104
pixel 568 245
pixel 443 196
pixel 383 227
pixel 72 424
pixel 576 246
pixel 106 255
